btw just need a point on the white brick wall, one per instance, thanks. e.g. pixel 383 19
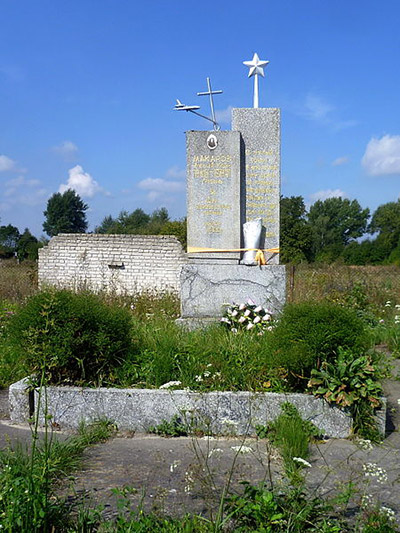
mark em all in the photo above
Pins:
pixel 81 260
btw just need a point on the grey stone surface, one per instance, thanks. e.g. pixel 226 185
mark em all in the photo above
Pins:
pixel 18 398
pixel 260 131
pixel 206 287
pixel 224 413
pixel 214 193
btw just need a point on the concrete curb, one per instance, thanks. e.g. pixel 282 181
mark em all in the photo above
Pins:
pixel 223 413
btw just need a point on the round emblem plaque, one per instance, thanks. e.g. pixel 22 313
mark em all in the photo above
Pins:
pixel 212 141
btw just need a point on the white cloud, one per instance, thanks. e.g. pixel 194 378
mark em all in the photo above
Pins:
pixel 224 115
pixel 13 185
pixel 67 149
pixel 328 193
pixel 81 182
pixel 157 187
pixel 382 156
pixel 319 110
pixel 176 172
pixel 6 164
pixel 316 108
pixel 340 161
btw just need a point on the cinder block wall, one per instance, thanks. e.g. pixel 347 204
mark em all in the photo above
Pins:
pixel 120 263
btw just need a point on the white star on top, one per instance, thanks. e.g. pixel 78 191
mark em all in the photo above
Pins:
pixel 256 66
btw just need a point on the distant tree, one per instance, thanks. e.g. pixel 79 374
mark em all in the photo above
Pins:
pixel 28 246
pixel 386 222
pixel 177 228
pixel 335 222
pixel 9 236
pixel 105 225
pixel 65 213
pixel 295 232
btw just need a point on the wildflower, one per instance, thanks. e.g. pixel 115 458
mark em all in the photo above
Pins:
pixel 381 321
pixel 226 320
pixel 242 449
pixel 234 313
pixel 302 461
pixel 170 384
pixel 397 306
pixel 388 512
pixel 209 364
pixel 247 312
pixel 206 374
pixel 366 501
pixel 199 378
pixel 398 401
pixel 388 303
pixel 234 330
pixel 242 319
pixel 257 320
pixel 375 471
pixel 249 326
pixel 365 444
pixel 215 451
pixel 267 317
pixel 258 309
pixel 174 465
pixel 242 306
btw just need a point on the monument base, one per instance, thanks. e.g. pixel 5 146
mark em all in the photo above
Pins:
pixel 207 288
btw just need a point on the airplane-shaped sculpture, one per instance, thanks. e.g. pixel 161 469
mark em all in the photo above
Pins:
pixel 193 108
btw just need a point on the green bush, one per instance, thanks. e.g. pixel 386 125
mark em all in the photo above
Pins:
pixel 309 333
pixel 77 337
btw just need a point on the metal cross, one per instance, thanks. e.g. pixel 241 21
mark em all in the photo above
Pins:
pixel 194 108
pixel 210 93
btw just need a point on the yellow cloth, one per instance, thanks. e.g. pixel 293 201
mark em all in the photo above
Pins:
pixel 260 257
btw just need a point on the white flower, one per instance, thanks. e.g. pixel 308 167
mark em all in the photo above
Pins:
pixel 170 384
pixel 397 306
pixel 388 512
pixel 375 471
pixel 234 313
pixel 174 465
pixel 242 319
pixel 242 449
pixel 256 320
pixel 247 312
pixel 398 401
pixel 365 444
pixel 258 309
pixel 249 326
pixel 206 374
pixel 267 317
pixel 215 451
pixel 302 461
pixel 226 320
pixel 234 330
pixel 242 306
pixel 198 378
pixel 381 321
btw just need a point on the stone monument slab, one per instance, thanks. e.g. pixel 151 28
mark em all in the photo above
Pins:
pixel 260 131
pixel 206 287
pixel 214 200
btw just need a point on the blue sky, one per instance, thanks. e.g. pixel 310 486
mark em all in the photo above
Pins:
pixel 87 89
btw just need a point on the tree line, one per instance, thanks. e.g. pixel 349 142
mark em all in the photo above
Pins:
pixel 331 230
pixel 339 229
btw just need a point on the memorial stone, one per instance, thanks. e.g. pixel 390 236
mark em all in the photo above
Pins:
pixel 260 131
pixel 214 202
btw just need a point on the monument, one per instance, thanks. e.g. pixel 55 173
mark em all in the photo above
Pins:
pixel 233 194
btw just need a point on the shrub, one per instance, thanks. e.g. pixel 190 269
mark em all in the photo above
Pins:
pixel 309 333
pixel 77 337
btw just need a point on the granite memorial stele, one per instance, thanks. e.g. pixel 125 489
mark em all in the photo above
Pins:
pixel 233 194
